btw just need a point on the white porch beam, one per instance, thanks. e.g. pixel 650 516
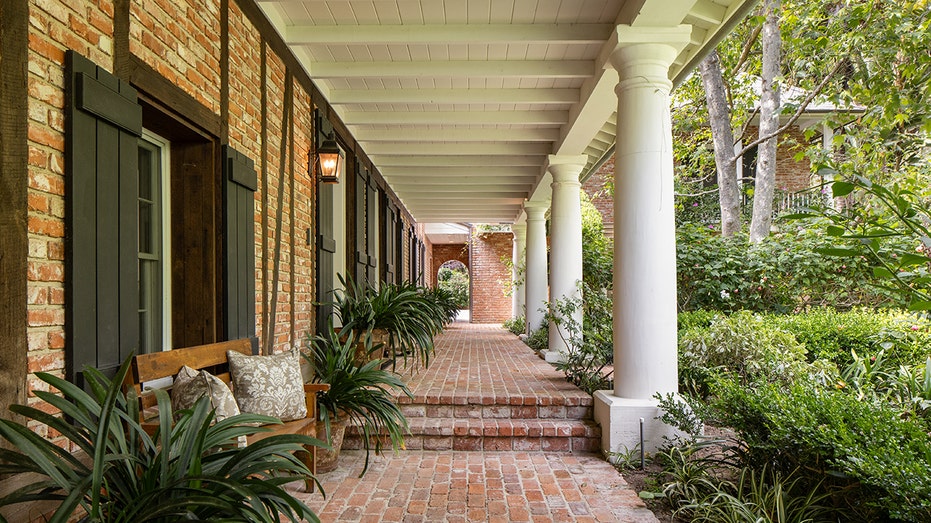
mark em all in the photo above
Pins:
pixel 482 161
pixel 495 196
pixel 433 148
pixel 457 135
pixel 456 117
pixel 425 188
pixel 454 96
pixel 447 34
pixel 460 173
pixel 455 69
pixel 447 181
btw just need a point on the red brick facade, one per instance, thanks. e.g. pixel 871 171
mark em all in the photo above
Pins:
pixel 490 276
pixel 176 47
pixel 595 188
pixel 445 252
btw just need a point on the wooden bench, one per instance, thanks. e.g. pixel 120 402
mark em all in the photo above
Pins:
pixel 212 358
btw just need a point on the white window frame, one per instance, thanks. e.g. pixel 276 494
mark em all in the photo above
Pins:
pixel 164 148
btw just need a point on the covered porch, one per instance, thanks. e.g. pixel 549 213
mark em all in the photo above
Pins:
pixel 490 113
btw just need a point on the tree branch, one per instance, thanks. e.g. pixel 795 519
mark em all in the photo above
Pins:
pixel 751 39
pixel 798 113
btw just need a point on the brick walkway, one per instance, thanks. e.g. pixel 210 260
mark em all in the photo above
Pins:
pixel 497 435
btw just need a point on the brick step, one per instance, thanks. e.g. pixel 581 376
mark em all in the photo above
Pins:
pixel 497 411
pixel 496 434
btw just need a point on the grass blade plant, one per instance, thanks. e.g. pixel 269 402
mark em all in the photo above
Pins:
pixel 192 469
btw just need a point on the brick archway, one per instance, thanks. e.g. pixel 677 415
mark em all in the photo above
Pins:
pixel 451 251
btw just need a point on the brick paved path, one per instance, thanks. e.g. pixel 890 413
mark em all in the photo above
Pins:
pixel 498 435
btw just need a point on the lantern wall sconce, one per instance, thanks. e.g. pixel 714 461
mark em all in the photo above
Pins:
pixel 328 159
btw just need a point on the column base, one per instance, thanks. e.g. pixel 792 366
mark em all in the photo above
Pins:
pixel 553 356
pixel 620 423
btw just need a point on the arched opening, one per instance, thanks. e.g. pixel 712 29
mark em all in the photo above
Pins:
pixel 453 276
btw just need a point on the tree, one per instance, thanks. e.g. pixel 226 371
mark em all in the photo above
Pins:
pixel 719 117
pixel 769 124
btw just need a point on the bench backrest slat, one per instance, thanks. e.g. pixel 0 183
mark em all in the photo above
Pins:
pixel 157 365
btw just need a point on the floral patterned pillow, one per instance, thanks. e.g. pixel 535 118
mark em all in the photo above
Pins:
pixel 269 385
pixel 190 385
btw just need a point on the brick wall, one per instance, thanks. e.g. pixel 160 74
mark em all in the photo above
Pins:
pixel 791 175
pixel 594 187
pixel 180 40
pixel 443 253
pixel 490 276
pixel 54 26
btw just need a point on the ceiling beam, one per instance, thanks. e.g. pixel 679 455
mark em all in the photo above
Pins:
pixel 447 34
pixel 495 197
pixel 457 149
pixel 708 12
pixel 455 69
pixel 456 117
pixel 460 173
pixel 457 135
pixel 401 185
pixel 454 96
pixel 388 160
pixel 428 188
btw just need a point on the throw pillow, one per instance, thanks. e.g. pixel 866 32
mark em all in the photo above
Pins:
pixel 190 385
pixel 269 385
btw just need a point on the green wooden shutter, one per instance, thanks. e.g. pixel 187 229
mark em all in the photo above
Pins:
pixel 388 236
pixel 103 124
pixel 371 227
pixel 361 261
pixel 239 185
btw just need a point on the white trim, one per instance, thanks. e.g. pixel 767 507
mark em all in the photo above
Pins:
pixel 164 146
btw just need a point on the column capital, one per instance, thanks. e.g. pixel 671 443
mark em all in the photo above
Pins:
pixel 566 168
pixel 643 55
pixel 536 209
pixel 519 230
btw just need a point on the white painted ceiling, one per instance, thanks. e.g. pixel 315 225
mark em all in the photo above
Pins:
pixel 458 102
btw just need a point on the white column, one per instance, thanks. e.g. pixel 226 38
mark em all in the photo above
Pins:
pixel 519 262
pixel 535 280
pixel 645 344
pixel 565 244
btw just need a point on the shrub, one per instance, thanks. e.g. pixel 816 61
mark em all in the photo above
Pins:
pixel 744 346
pixel 873 461
pixel 783 273
pixel 700 318
pixel 588 351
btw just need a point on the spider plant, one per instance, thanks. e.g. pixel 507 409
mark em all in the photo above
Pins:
pixel 410 317
pixel 191 469
pixel 360 395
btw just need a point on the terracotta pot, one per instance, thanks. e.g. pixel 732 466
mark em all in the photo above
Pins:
pixel 378 336
pixel 327 459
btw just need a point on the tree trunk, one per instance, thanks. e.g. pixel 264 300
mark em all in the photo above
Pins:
pixel 769 122
pixel 719 114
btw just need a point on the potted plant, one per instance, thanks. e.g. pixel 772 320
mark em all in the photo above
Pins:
pixel 408 316
pixel 360 394
pixel 190 469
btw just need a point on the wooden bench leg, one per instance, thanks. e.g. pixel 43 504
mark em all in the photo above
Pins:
pixel 309 458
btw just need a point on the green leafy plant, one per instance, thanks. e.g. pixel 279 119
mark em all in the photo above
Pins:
pixel 190 469
pixel 586 360
pixel 539 339
pixel 410 317
pixel 456 282
pixel 360 395
pixel 516 326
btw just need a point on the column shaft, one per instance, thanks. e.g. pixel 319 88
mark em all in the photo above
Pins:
pixel 519 259
pixel 535 280
pixel 645 344
pixel 565 245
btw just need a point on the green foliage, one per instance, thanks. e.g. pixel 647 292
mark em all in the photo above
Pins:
pixel 516 326
pixel 361 394
pixel 191 469
pixel 834 335
pixel 539 339
pixel 873 461
pixel 890 228
pixel 700 318
pixel 588 354
pixel 446 303
pixel 456 282
pixel 785 272
pixel 745 347
pixel 411 317
pixel 597 249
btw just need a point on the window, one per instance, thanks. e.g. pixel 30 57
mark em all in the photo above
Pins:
pixel 154 276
